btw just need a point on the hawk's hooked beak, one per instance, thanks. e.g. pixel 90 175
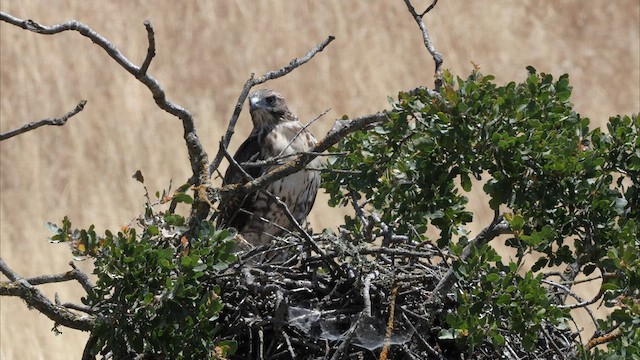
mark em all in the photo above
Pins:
pixel 255 103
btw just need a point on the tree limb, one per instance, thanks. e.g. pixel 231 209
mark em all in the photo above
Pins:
pixel 21 288
pixel 197 154
pixel 50 121
pixel 302 160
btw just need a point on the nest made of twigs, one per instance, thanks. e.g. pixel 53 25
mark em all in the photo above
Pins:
pixel 352 301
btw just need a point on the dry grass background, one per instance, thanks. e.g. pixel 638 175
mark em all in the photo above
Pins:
pixel 205 52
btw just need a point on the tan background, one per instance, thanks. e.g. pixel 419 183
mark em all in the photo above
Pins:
pixel 205 52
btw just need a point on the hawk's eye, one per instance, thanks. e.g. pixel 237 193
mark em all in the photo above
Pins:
pixel 271 100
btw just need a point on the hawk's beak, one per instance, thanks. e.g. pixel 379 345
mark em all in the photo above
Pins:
pixel 254 103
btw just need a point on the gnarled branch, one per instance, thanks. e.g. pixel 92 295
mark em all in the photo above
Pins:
pixel 197 154
pixel 22 288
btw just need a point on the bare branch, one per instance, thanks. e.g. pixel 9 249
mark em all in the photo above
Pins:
pixel 50 121
pixel 250 83
pixel 437 57
pixel 151 50
pixel 498 226
pixel 197 155
pixel 433 4
pixel 33 297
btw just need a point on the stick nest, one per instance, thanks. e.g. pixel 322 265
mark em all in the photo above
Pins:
pixel 353 301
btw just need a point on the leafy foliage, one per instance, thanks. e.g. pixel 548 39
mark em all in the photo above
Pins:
pixel 153 296
pixel 572 194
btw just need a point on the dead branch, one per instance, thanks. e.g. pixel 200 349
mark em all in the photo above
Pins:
pixel 437 57
pixel 249 84
pixel 49 121
pixel 21 288
pixel 197 154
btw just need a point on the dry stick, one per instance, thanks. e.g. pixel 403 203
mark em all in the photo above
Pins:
pixel 151 50
pixel 197 155
pixel 392 308
pixel 250 83
pixel 437 57
pixel 50 121
pixel 19 287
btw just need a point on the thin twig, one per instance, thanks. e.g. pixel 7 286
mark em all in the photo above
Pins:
pixel 50 121
pixel 151 49
pixel 250 83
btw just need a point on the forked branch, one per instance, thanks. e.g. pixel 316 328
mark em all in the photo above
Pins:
pixel 249 84
pixel 25 289
pixel 197 154
pixel 437 57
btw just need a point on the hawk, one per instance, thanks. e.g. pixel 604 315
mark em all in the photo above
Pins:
pixel 276 133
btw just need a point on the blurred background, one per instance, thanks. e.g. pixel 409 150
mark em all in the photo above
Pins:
pixel 205 52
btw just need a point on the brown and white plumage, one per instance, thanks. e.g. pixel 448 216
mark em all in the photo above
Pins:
pixel 276 132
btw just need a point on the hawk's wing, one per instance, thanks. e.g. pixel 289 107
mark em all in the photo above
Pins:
pixel 239 205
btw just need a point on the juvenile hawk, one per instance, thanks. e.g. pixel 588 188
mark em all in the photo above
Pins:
pixel 276 132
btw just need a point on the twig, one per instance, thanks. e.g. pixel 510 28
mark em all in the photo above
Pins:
pixel 608 337
pixel 304 128
pixel 67 276
pixel 392 307
pixel 250 83
pixel 581 302
pixel 305 235
pixel 278 160
pixel 366 293
pixel 437 57
pixel 50 121
pixel 424 342
pixel 151 50
pixel 433 4
pixel 289 347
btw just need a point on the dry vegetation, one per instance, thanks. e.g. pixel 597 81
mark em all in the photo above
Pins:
pixel 206 50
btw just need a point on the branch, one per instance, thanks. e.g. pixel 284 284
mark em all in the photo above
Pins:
pixel 50 121
pixel 21 288
pixel 74 274
pixel 197 155
pixel 437 57
pixel 250 83
pixel 301 161
pixel 151 50
pixel 498 226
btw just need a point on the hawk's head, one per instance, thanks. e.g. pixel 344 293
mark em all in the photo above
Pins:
pixel 267 107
